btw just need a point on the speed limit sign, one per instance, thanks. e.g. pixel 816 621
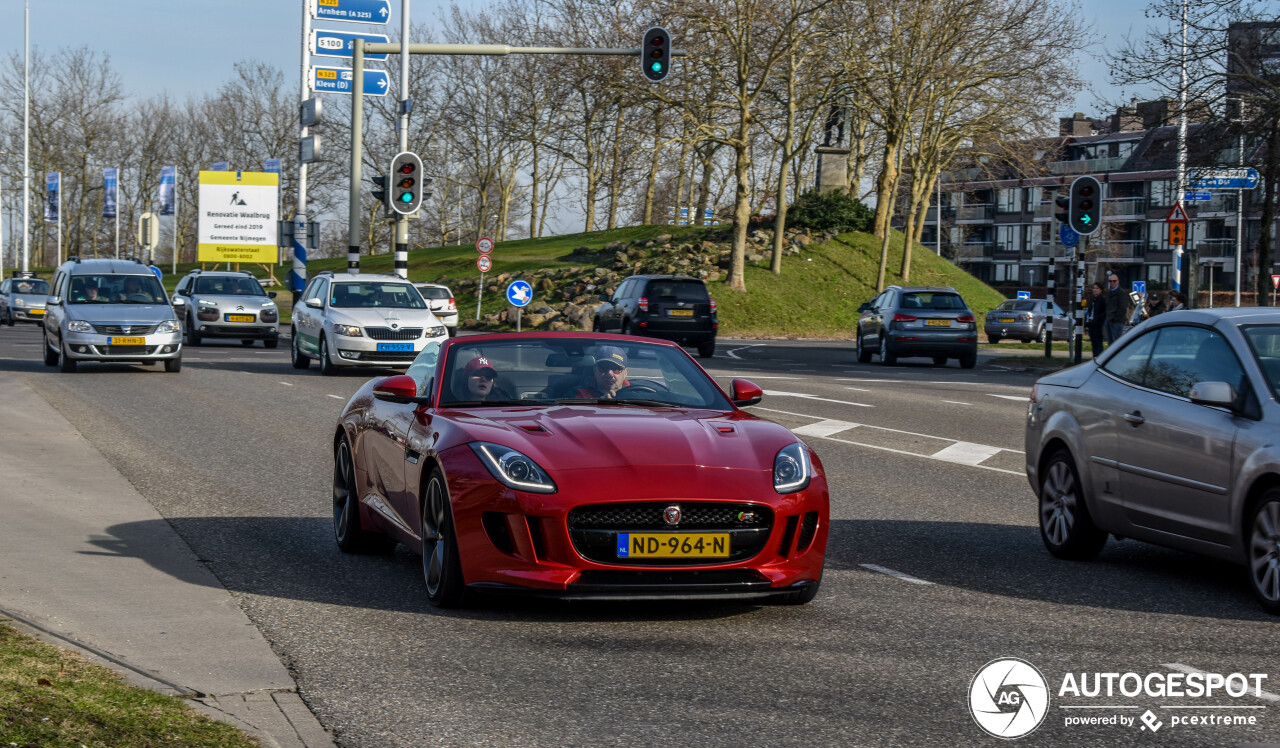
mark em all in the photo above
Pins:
pixel 484 245
pixel 484 263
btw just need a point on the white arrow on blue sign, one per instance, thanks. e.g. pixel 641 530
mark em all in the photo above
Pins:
pixel 352 11
pixel 1227 178
pixel 519 293
pixel 1024 295
pixel 339 80
pixel 1140 288
pixel 1068 236
pixel 326 43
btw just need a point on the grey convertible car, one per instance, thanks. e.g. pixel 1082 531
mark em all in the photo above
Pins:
pixel 1170 437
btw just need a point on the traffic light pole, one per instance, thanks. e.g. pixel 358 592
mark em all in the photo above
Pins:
pixel 360 48
pixel 1079 315
pixel 402 221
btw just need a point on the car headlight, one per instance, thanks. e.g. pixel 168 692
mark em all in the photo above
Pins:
pixel 206 302
pixel 169 326
pixel 79 325
pixel 512 468
pixel 791 469
pixel 350 331
pixel 20 302
pixel 268 303
pixel 435 332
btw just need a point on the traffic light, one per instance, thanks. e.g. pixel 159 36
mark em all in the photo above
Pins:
pixel 1086 205
pixel 655 54
pixel 380 194
pixel 406 183
pixel 1062 200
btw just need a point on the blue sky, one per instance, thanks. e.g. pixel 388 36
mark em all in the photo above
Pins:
pixel 188 46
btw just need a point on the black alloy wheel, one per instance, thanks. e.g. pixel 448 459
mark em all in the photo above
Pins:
pixel 1263 543
pixel 864 356
pixel 193 335
pixel 707 350
pixel 350 536
pixel 1066 527
pixel 441 568
pixel 326 366
pixel 1042 334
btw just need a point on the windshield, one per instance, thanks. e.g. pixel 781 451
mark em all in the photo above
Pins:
pixel 375 294
pixel 929 300
pixel 534 371
pixel 1017 306
pixel 434 293
pixel 1264 340
pixel 116 289
pixel 32 285
pixel 229 285
pixel 682 290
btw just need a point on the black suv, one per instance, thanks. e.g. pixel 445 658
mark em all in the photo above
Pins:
pixel 671 307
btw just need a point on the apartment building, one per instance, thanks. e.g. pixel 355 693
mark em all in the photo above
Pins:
pixel 999 224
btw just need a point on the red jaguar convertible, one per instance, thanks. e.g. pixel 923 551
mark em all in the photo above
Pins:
pixel 578 465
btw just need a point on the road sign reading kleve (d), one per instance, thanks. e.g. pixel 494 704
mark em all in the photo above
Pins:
pixel 352 11
pixel 340 80
pixel 343 44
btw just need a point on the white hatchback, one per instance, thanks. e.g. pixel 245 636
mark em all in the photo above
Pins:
pixel 361 320
pixel 442 304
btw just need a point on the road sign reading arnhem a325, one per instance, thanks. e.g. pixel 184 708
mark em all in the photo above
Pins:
pixel 352 11
pixel 238 213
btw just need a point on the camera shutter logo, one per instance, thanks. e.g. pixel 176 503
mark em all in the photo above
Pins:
pixel 1008 698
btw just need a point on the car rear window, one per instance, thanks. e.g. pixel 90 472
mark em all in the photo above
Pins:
pixel 1017 306
pixel 931 300
pixel 680 290
pixel 434 293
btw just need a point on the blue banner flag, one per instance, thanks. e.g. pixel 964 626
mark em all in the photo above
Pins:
pixel 271 166
pixel 168 184
pixel 110 192
pixel 52 185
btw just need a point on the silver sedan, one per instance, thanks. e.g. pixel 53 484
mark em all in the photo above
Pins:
pixel 1169 437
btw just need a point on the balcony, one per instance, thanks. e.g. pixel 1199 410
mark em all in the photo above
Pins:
pixel 983 213
pixel 1121 248
pixel 963 175
pixel 1086 166
pixel 1124 208
pixel 931 215
pixel 974 250
pixel 1216 248
pixel 1044 211
pixel 1046 249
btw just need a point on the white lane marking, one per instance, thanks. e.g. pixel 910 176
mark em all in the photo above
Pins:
pixel 825 427
pixel 777 393
pixel 336 397
pixel 1264 695
pixel 733 352
pixel 895 574
pixel 1019 398
pixel 286 384
pixel 855 379
pixel 882 428
pixel 799 370
pixel 242 372
pixel 965 453
pixel 858 389
pixel 956 402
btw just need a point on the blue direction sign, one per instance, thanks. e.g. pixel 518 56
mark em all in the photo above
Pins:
pixel 343 44
pixel 353 11
pixel 1068 236
pixel 1242 178
pixel 1140 288
pixel 339 80
pixel 1023 295
pixel 519 293
pixel 1193 197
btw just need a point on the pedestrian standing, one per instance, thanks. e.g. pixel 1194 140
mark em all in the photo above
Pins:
pixel 1117 300
pixel 1095 319
pixel 1155 305
pixel 1177 301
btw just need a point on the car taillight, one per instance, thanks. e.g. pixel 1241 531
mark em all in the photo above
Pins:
pixel 453 307
pixel 1023 317
pixel 713 306
pixel 643 303
pixel 965 318
pixel 904 318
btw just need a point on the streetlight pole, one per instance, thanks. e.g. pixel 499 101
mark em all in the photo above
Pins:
pixel 1181 186
pixel 26 136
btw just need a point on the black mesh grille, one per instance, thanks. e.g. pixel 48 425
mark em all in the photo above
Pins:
pixel 594 529
pixel 234 330
pixel 808 528
pixel 649 516
pixel 386 333
pixel 389 356
pixel 119 329
pixel 126 350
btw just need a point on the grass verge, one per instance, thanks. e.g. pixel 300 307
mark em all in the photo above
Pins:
pixel 52 697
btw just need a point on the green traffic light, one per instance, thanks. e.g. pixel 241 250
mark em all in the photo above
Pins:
pixel 406 198
pixel 656 67
pixel 1085 219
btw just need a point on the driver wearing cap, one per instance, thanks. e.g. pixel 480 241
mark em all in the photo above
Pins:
pixel 610 374
pixel 481 380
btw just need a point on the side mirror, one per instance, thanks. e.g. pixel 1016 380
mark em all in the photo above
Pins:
pixel 604 297
pixel 185 291
pixel 745 393
pixel 866 306
pixel 178 301
pixel 1217 394
pixel 398 389
pixel 315 303
pixel 271 294
pixel 53 300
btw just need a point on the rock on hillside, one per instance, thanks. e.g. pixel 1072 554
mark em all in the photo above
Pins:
pixel 566 298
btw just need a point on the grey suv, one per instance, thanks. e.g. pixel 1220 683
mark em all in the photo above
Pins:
pixel 228 305
pixel 109 311
pixel 918 321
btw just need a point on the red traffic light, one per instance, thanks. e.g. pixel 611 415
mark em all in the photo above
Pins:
pixel 407 168
pixel 657 41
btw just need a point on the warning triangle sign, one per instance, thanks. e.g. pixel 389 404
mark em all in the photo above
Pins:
pixel 1177 214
